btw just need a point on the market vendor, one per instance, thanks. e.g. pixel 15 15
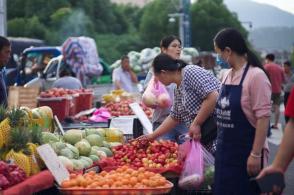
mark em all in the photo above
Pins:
pixel 172 46
pixel 123 77
pixel 243 112
pixel 194 99
pixel 67 79
pixel 5 50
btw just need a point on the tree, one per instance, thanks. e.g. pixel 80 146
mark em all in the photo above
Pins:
pixel 207 18
pixel 111 47
pixel 155 21
pixel 30 27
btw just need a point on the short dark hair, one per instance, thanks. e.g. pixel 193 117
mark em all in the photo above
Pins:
pixel 166 41
pixel 164 62
pixel 4 42
pixel 287 63
pixel 124 57
pixel 270 57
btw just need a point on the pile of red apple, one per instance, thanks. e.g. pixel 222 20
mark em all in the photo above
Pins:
pixel 10 174
pixel 141 153
pixel 122 108
pixel 61 92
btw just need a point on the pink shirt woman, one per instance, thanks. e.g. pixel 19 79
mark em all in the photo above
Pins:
pixel 256 95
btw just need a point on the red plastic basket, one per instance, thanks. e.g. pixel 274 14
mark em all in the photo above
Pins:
pixel 73 105
pixel 118 191
pixel 84 101
pixel 59 105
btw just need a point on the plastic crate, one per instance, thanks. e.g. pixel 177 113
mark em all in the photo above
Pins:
pixel 59 105
pixel 23 96
pixel 84 102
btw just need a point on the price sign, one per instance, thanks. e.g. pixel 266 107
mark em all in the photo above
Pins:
pixel 53 163
pixel 142 117
pixel 125 124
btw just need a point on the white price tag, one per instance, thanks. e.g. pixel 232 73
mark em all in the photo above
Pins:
pixel 53 163
pixel 125 124
pixel 142 117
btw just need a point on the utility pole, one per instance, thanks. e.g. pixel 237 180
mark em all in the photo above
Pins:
pixel 3 22
pixel 184 22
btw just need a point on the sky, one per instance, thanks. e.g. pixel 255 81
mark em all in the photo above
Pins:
pixel 287 5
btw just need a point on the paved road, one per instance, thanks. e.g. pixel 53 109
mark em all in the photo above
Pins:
pixel 274 144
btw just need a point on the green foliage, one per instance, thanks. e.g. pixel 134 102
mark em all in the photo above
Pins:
pixel 155 21
pixel 208 17
pixel 30 27
pixel 111 47
pixel 19 137
pixel 117 29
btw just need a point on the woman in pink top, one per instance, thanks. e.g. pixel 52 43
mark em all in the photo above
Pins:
pixel 243 114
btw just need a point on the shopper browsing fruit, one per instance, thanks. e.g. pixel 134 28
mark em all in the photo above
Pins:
pixel 67 79
pixel 243 111
pixel 172 46
pixel 195 95
pixel 5 50
pixel 123 77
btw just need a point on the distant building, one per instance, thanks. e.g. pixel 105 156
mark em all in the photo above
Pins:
pixel 140 3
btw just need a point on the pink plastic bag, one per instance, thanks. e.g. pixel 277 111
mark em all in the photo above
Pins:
pixel 100 115
pixel 156 95
pixel 193 171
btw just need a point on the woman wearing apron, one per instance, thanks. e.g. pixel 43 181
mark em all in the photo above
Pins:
pixel 243 114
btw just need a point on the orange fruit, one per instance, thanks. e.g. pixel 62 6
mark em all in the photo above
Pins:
pixel 66 184
pixel 103 173
pixel 133 181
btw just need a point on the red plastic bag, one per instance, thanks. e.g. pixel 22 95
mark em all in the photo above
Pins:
pixel 193 171
pixel 156 95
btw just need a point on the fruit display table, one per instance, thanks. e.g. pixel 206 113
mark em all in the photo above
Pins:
pixel 33 184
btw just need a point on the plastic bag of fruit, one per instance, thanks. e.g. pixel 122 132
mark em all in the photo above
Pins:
pixel 208 168
pixel 193 171
pixel 156 95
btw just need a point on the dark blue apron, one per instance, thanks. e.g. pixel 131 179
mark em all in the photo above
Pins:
pixel 234 142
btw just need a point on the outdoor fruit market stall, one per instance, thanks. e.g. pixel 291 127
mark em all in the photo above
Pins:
pixel 72 147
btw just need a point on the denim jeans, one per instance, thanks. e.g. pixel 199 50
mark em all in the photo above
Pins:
pixel 173 134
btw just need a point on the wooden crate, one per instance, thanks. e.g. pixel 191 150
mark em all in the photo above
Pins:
pixel 23 96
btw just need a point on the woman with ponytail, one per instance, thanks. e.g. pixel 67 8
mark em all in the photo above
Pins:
pixel 243 113
pixel 194 97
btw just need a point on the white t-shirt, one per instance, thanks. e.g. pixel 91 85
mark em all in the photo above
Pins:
pixel 124 78
pixel 67 82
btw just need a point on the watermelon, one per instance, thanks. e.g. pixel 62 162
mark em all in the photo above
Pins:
pixel 67 153
pixel 77 164
pixel 94 157
pixel 83 147
pixel 106 150
pixel 73 136
pixel 74 150
pixel 89 160
pixel 49 137
pixel 95 140
pixel 58 146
